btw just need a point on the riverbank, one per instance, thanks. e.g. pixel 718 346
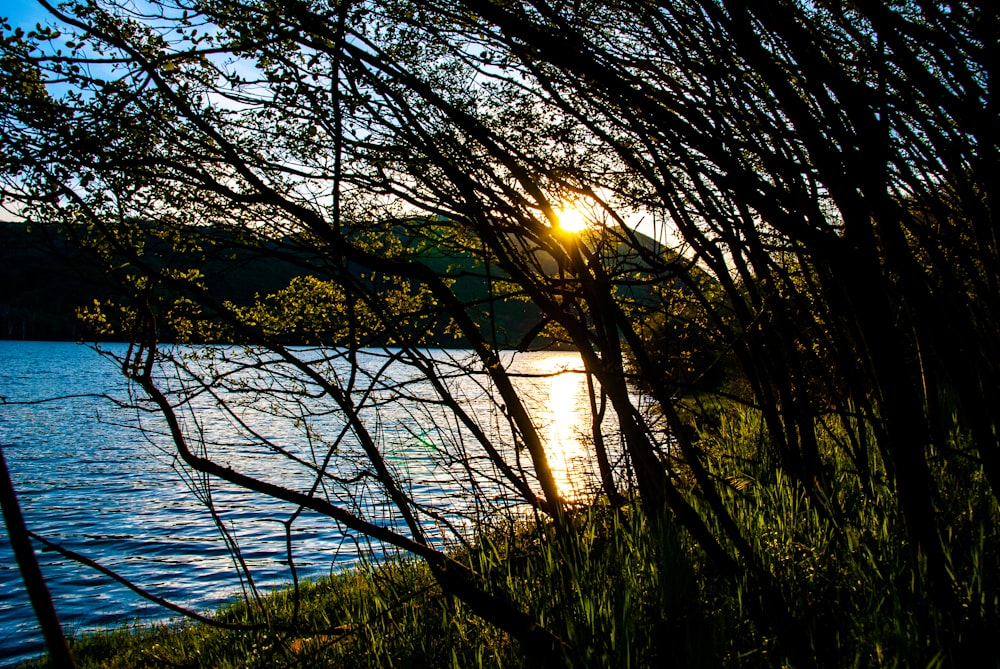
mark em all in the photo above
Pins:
pixel 639 602
pixel 622 592
pixel 89 479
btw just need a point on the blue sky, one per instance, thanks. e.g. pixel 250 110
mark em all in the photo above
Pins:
pixel 24 13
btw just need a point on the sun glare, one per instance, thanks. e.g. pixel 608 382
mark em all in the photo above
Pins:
pixel 571 219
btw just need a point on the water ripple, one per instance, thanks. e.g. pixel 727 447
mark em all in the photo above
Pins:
pixel 88 478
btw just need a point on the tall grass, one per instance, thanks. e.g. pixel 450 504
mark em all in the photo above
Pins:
pixel 623 593
pixel 839 556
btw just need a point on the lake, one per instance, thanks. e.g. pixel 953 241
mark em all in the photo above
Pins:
pixel 90 479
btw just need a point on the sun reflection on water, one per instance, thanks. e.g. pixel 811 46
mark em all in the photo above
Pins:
pixel 568 423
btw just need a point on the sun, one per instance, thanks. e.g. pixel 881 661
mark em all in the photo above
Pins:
pixel 570 219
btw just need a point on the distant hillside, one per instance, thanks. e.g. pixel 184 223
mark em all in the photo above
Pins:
pixel 44 280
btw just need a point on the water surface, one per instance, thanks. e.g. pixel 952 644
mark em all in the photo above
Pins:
pixel 90 479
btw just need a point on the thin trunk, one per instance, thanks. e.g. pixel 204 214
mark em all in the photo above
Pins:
pixel 905 442
pixel 600 448
pixel 38 592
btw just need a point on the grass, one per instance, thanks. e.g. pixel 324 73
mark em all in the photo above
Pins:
pixel 623 593
pixel 842 564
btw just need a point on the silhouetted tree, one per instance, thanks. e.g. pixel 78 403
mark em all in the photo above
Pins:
pixel 827 171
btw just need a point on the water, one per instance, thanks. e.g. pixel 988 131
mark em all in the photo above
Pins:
pixel 91 480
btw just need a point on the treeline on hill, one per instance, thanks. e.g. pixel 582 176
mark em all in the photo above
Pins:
pixel 42 283
pixel 46 280
pixel 48 284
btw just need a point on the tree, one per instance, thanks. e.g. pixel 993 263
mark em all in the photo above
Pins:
pixel 828 167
